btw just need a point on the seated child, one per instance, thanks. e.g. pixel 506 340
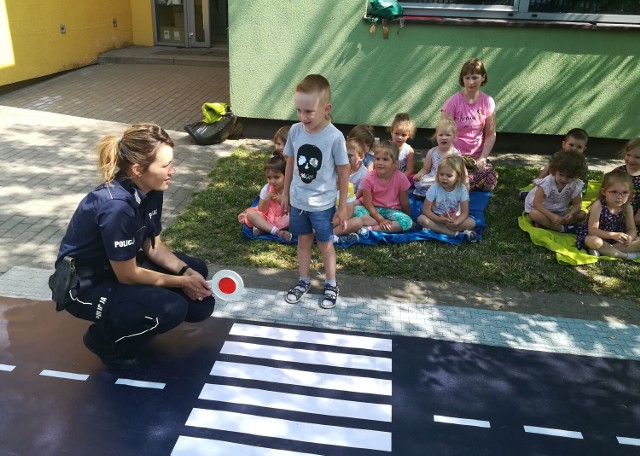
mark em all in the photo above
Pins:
pixel 356 154
pixel 631 155
pixel 609 229
pixel 445 135
pixel 575 141
pixel 280 140
pixel 346 232
pixel 267 217
pixel 367 137
pixel 385 195
pixel 556 200
pixel 402 129
pixel 446 205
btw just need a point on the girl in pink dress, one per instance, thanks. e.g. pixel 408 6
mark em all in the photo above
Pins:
pixel 267 217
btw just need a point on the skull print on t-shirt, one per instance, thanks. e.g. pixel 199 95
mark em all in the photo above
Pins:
pixel 309 162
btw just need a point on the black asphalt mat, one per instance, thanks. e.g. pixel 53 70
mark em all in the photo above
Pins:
pixel 431 382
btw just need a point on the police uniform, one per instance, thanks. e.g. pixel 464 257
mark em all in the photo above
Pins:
pixel 111 224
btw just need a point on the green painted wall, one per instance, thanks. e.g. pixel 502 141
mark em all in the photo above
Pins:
pixel 544 81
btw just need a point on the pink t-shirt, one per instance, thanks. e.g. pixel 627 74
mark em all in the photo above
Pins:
pixel 385 195
pixel 470 120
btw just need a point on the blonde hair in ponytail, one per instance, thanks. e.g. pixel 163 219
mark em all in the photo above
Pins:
pixel 138 145
pixel 108 157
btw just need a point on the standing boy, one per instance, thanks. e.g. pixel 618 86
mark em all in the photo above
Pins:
pixel 316 155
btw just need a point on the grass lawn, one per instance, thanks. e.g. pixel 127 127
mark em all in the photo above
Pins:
pixel 505 256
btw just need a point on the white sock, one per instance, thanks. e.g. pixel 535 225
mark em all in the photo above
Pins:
pixel 633 255
pixel 274 230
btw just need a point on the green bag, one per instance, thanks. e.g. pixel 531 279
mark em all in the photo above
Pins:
pixel 385 9
pixel 213 112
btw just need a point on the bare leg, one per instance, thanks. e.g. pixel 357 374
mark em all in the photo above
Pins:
pixel 541 219
pixel 597 243
pixel 304 254
pixel 328 259
pixel 353 225
pixel 426 222
pixel 258 221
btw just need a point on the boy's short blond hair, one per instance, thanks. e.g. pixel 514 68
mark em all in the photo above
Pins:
pixel 356 144
pixel 315 84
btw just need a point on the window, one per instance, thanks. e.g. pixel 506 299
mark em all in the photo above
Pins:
pixel 591 11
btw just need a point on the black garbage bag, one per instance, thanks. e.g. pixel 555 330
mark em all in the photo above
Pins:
pixel 214 132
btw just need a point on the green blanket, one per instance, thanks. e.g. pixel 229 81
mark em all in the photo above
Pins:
pixel 562 243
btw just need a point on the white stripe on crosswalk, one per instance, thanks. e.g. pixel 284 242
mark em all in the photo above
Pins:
pixel 140 383
pixel 7 367
pixel 193 446
pixel 296 402
pixel 298 355
pixel 292 430
pixel 628 441
pixel 311 337
pixel 60 374
pixel 338 382
pixel 553 432
pixel 461 421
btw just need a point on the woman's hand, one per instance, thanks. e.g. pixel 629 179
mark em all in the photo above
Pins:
pixel 195 286
pixel 481 163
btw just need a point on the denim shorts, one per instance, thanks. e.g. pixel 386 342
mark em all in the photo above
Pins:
pixel 304 222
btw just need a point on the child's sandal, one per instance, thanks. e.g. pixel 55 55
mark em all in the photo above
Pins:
pixel 284 235
pixel 471 235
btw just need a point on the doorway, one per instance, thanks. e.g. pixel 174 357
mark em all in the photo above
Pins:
pixel 188 23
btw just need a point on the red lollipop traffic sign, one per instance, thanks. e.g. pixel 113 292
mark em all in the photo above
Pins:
pixel 227 285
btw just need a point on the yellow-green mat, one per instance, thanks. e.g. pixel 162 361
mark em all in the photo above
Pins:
pixel 562 243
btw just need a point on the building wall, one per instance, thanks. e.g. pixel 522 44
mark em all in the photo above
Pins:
pixel 31 44
pixel 142 23
pixel 544 80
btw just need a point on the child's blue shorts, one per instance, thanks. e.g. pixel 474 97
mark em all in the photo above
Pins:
pixel 304 222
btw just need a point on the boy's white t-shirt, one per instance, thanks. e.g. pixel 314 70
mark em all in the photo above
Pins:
pixel 316 155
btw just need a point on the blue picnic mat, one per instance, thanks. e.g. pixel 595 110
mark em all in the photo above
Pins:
pixel 477 203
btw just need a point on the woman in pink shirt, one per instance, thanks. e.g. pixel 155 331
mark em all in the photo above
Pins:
pixel 474 113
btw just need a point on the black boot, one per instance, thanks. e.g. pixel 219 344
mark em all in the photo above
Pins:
pixel 114 357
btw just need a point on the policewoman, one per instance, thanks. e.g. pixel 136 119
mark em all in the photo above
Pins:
pixel 122 276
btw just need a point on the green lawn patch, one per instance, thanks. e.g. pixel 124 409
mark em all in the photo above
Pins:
pixel 505 256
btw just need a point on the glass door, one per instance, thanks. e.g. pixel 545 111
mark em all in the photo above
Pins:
pixel 183 22
pixel 170 22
